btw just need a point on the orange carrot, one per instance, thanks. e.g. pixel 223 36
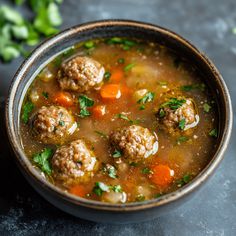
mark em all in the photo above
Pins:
pixel 110 91
pixel 117 75
pixel 99 111
pixel 162 175
pixel 78 190
pixel 63 99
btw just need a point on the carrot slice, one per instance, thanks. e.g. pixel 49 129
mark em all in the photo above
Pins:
pixel 78 190
pixel 162 175
pixel 110 91
pixel 63 99
pixel 117 75
pixel 99 111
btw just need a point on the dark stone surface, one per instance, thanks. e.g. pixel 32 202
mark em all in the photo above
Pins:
pixel 208 24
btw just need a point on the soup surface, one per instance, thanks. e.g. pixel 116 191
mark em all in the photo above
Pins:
pixel 119 120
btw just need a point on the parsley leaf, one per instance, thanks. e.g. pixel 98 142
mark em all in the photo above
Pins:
pixel 190 87
pixel 42 160
pixel 117 189
pixel 111 170
pixel 146 170
pixel 124 117
pixel 100 188
pixel 117 154
pixel 213 133
pixel 173 103
pixel 182 139
pixel 148 97
pixel 45 94
pixel 161 113
pixel 182 124
pixel 121 60
pixel 206 107
pixel 185 179
pixel 85 102
pixel 129 67
pixel 103 135
pixel 107 75
pixel 26 110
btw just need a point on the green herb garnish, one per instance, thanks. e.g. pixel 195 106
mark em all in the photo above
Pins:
pixel 117 154
pixel 146 170
pixel 85 102
pixel 42 160
pixel 100 188
pixel 190 87
pixel 186 179
pixel 103 135
pixel 26 110
pixel 182 124
pixel 107 75
pixel 62 123
pixel 117 189
pixel 213 133
pixel 140 198
pixel 206 107
pixel 89 44
pixel 124 117
pixel 121 60
pixel 45 94
pixel 182 139
pixel 161 113
pixel 148 97
pixel 173 103
pixel 129 67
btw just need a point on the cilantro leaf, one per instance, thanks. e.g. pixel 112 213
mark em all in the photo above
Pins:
pixel 107 75
pixel 184 180
pixel 148 97
pixel 129 67
pixel 42 160
pixel 146 170
pixel 117 189
pixel 26 110
pixel 124 117
pixel 103 135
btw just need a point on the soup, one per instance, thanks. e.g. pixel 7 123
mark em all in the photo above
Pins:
pixel 119 120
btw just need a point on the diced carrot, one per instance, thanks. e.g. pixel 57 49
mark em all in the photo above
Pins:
pixel 117 75
pixel 63 99
pixel 78 190
pixel 110 91
pixel 99 111
pixel 162 175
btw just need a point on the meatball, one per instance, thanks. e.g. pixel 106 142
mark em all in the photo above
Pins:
pixel 135 142
pixel 51 124
pixel 81 74
pixel 178 113
pixel 73 163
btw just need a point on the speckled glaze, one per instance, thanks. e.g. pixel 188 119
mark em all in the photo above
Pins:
pixel 99 211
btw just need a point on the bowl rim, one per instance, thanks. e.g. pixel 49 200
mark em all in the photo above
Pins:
pixel 27 167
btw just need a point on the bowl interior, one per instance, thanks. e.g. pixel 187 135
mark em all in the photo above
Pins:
pixel 50 48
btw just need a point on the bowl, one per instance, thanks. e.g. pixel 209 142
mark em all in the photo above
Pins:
pixel 100 211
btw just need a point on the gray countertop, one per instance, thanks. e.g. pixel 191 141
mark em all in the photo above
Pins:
pixel 208 25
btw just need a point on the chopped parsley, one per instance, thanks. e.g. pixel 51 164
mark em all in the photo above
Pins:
pixel 85 102
pixel 107 75
pixel 213 133
pixel 117 154
pixel 124 117
pixel 190 87
pixel 140 198
pixel 26 110
pixel 117 189
pixel 173 103
pixel 42 160
pixel 161 113
pixel 182 124
pixel 124 43
pixel 148 97
pixel 182 139
pixel 103 135
pixel 129 67
pixel 89 44
pixel 146 170
pixel 110 170
pixel 45 94
pixel 121 60
pixel 62 123
pixel 99 188
pixel 185 179
pixel 206 107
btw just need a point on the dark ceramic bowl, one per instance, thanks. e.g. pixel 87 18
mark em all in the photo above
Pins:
pixel 100 211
